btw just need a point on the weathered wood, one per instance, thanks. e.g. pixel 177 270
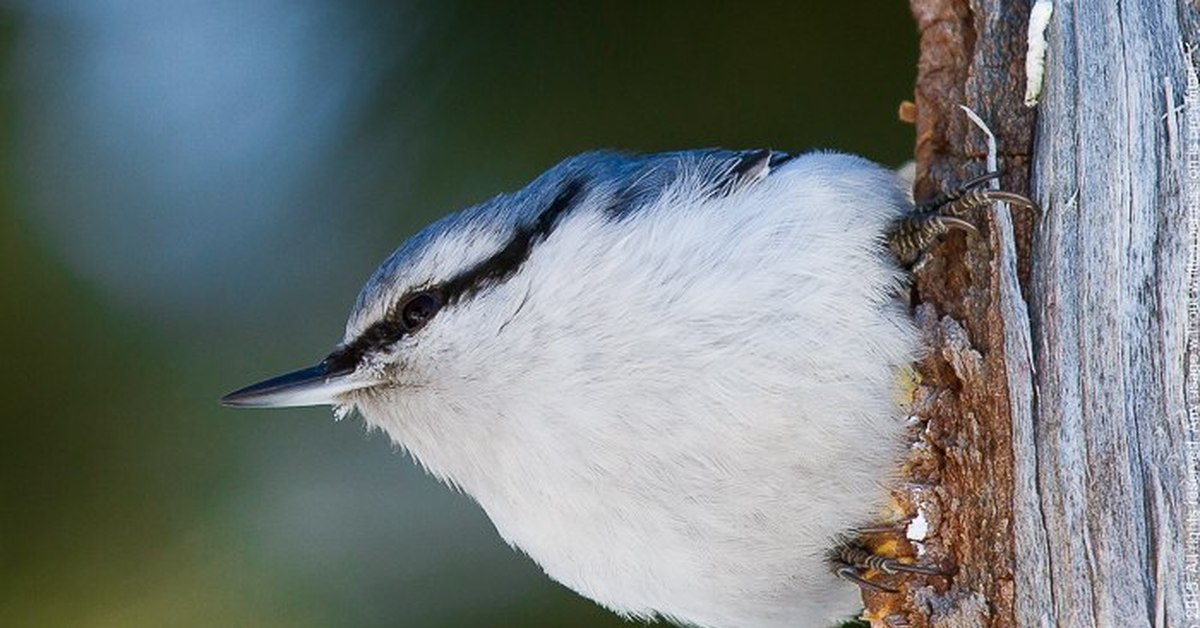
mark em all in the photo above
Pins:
pixel 1053 465
pixel 1110 318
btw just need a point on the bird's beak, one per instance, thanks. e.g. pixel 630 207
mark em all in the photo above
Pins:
pixel 318 385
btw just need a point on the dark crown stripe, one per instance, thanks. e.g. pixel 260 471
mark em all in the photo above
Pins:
pixel 500 266
pixel 508 260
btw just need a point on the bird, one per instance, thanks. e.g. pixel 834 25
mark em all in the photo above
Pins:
pixel 670 379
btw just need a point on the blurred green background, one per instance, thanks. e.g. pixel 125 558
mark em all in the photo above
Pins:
pixel 191 195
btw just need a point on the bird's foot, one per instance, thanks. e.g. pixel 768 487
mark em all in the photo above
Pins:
pixel 913 234
pixel 855 564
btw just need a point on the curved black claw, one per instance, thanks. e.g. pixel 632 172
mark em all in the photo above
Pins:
pixel 976 199
pixel 914 234
pixel 951 195
pixel 851 574
pixel 896 527
pixel 893 566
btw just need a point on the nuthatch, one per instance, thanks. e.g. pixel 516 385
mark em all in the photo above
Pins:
pixel 670 379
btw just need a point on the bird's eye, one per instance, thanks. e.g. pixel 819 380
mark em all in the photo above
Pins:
pixel 418 310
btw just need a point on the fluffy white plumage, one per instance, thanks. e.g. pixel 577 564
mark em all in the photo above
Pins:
pixel 676 410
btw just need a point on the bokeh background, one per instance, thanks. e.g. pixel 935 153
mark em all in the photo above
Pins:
pixel 191 194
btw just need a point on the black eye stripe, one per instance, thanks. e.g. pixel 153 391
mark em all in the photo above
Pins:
pixel 495 269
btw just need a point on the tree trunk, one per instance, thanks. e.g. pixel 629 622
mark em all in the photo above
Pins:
pixel 1056 457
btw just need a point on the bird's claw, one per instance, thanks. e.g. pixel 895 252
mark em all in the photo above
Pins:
pixel 914 233
pixel 851 562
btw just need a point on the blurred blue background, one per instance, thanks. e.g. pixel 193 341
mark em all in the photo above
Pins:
pixel 191 194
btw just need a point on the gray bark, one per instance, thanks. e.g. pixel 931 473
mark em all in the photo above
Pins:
pixel 1103 474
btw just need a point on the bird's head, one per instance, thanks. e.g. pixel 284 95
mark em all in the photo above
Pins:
pixel 445 291
pixel 451 289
